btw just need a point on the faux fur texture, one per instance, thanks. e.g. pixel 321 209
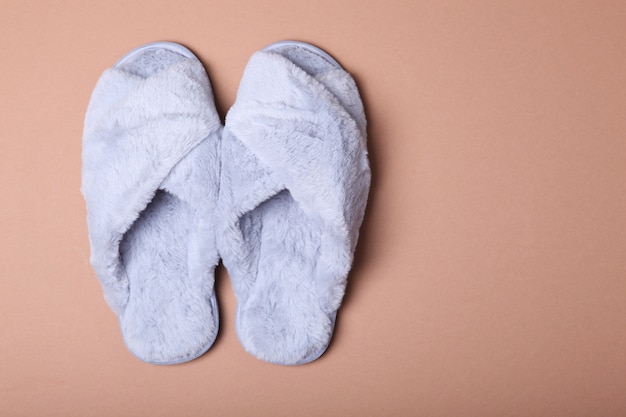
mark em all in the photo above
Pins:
pixel 150 178
pixel 294 185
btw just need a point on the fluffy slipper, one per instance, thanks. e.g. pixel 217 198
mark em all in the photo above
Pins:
pixel 150 178
pixel 294 185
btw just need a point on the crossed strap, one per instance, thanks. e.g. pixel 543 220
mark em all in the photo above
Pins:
pixel 137 130
pixel 289 131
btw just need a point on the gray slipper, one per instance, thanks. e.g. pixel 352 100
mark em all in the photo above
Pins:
pixel 294 186
pixel 150 178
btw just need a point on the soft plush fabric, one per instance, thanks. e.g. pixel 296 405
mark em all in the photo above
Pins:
pixel 294 185
pixel 150 178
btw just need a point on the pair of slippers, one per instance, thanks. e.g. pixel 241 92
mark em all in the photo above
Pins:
pixel 278 193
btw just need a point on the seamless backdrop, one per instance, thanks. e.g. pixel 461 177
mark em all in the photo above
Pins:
pixel 490 279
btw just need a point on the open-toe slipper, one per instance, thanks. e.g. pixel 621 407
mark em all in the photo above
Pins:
pixel 294 186
pixel 150 178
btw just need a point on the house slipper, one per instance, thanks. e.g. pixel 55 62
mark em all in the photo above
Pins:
pixel 294 185
pixel 150 178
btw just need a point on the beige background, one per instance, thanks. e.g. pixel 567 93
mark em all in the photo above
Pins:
pixel 490 279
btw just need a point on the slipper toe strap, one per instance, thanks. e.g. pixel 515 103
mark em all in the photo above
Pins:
pixel 289 131
pixel 136 131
